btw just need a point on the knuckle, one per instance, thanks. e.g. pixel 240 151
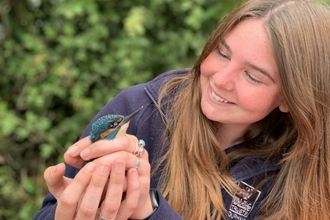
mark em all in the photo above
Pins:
pixel 147 166
pixel 87 212
pixel 131 205
pixel 124 155
pixel 144 184
pixel 135 186
pixel 97 183
pixel 80 181
pixel 67 201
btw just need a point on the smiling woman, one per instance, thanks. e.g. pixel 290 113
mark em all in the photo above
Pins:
pixel 240 84
pixel 267 60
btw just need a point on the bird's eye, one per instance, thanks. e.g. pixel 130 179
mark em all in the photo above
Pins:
pixel 115 123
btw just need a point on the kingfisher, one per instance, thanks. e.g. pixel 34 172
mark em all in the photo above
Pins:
pixel 109 127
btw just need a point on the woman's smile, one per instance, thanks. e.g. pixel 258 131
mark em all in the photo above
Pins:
pixel 219 99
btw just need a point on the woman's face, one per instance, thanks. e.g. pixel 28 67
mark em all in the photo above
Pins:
pixel 240 83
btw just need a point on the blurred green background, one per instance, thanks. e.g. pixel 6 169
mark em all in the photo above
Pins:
pixel 62 60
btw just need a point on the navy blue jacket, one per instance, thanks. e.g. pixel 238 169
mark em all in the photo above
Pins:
pixel 148 125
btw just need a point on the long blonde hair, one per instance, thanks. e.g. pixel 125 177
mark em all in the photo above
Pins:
pixel 194 168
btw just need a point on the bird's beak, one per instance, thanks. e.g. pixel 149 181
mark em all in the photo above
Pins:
pixel 129 117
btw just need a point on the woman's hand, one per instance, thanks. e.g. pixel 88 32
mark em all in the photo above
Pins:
pixel 79 198
pixel 83 194
pixel 124 148
pixel 84 150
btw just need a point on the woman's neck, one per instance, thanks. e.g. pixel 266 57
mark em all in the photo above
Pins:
pixel 230 134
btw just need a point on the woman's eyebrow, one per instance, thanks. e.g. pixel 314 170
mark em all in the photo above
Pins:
pixel 263 71
pixel 224 43
pixel 260 70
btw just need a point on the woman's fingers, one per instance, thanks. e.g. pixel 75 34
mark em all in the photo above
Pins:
pixel 81 198
pixel 132 195
pixel 84 150
pixel 104 147
pixel 68 202
pixel 72 155
pixel 114 192
pixel 93 194
pixel 131 161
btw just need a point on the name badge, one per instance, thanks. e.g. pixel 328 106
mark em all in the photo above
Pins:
pixel 243 202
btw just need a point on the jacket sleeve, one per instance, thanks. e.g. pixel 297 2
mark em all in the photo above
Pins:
pixel 48 209
pixel 164 210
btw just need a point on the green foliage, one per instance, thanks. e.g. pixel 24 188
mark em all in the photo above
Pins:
pixel 62 60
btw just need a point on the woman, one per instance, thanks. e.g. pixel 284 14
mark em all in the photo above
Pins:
pixel 242 135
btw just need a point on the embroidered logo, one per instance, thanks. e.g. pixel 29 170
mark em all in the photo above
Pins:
pixel 243 202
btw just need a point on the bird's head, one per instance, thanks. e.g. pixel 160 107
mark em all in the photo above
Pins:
pixel 111 126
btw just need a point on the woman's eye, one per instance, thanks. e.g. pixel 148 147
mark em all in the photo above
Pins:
pixel 250 77
pixel 222 54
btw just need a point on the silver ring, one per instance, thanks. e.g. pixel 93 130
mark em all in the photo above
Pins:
pixel 138 163
pixel 139 148
pixel 102 218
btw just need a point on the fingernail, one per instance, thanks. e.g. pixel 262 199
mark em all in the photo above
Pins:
pixel 72 150
pixel 85 153
pixel 90 167
pixel 119 167
pixel 104 168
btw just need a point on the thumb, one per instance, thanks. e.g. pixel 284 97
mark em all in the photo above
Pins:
pixel 55 180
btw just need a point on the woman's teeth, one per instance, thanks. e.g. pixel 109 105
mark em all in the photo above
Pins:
pixel 219 99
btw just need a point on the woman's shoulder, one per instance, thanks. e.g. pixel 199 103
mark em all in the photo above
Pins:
pixel 169 74
pixel 152 86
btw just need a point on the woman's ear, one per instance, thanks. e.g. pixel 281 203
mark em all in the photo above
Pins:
pixel 283 107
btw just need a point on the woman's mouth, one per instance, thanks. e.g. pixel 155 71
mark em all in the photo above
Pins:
pixel 219 99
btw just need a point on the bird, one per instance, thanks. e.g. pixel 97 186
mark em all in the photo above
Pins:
pixel 111 126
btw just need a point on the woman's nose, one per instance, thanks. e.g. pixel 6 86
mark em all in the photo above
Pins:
pixel 224 79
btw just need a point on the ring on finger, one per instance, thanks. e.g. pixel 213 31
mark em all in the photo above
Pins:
pixel 138 163
pixel 139 148
pixel 103 218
